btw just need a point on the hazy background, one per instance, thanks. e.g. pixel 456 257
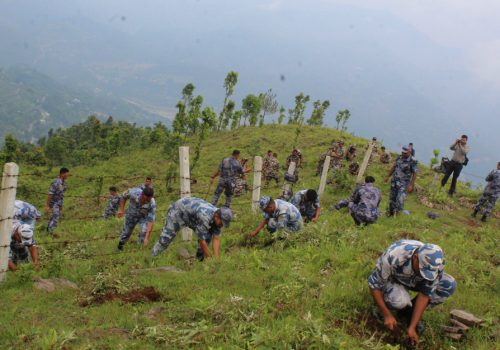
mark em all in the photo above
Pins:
pixel 421 71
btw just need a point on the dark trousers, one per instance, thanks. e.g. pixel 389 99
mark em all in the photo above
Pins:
pixel 455 168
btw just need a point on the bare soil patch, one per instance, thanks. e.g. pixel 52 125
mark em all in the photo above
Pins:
pixel 142 295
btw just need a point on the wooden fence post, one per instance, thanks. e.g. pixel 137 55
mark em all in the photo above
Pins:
pixel 324 175
pixel 7 200
pixel 257 180
pixel 185 181
pixel 365 162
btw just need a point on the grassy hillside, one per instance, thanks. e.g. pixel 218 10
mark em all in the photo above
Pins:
pixel 307 290
pixel 31 103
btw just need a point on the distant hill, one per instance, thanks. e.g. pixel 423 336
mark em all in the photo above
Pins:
pixel 32 103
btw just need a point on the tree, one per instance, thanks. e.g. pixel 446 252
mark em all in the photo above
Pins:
pixel 251 107
pixel 296 115
pixel 268 105
pixel 187 94
pixel 194 115
pixel 345 118
pixel 228 114
pixel 281 116
pixel 318 113
pixel 229 84
pixel 11 149
pixel 179 123
pixel 236 120
pixel 338 118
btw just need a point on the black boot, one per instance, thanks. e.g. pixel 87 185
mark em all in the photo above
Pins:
pixel 483 219
pixel 474 213
pixel 120 245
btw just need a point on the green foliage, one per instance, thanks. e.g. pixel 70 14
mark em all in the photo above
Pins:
pixel 296 115
pixel 268 105
pixel 341 119
pixel 281 116
pixel 318 113
pixel 226 112
pixel 251 106
pixel 435 159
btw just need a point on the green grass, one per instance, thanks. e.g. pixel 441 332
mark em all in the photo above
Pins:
pixel 304 291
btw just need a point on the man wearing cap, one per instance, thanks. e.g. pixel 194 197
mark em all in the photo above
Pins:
pixel 273 170
pixel 22 245
pixel 364 202
pixel 410 265
pixel 295 157
pixel 25 213
pixel 307 201
pixel 148 182
pixel 200 216
pixel 337 154
pixel 385 157
pixel 266 163
pixel 404 174
pixel 228 170
pixel 278 215
pixel 490 194
pixel 374 149
pixel 55 199
pixel 460 150
pixel 141 210
pixel 113 203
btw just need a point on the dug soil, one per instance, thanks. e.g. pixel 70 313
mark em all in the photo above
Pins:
pixel 143 295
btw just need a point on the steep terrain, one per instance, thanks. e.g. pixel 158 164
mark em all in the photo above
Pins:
pixel 307 290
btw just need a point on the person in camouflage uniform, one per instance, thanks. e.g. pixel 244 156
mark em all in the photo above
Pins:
pixel 278 215
pixel 266 163
pixel 228 170
pixel 351 153
pixel 148 182
pixel 141 210
pixel 240 184
pixel 321 162
pixel 113 203
pixel 273 170
pixel 410 265
pixel 404 174
pixel 337 154
pixel 307 201
pixel 490 194
pixel 364 202
pixel 22 245
pixel 55 199
pixel 200 216
pixel 354 168
pixel 25 213
pixel 385 157
pixel 374 150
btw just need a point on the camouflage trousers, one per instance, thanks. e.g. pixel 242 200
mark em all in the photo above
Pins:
pixel 128 227
pixel 397 198
pixel 225 185
pixel 271 175
pixel 397 296
pixel 272 226
pixel 358 216
pixel 486 203
pixel 54 218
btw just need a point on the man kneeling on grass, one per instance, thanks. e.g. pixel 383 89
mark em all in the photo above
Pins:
pixel 199 215
pixel 278 215
pixel 410 265
pixel 22 245
pixel 307 201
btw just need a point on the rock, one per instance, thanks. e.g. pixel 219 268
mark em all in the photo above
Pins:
pixel 454 336
pixel 459 324
pixel 184 253
pixel 51 284
pixel 157 269
pixel 465 317
pixel 432 215
pixel 448 329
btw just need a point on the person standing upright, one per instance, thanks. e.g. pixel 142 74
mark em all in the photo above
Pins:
pixel 55 199
pixel 459 159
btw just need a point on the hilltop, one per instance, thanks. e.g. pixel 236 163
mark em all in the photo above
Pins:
pixel 301 291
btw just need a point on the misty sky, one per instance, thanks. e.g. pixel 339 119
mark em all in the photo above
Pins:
pixel 422 71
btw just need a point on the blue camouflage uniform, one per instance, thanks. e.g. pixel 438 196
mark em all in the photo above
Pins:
pixel 56 190
pixel 394 275
pixel 285 217
pixel 403 172
pixel 307 209
pixel 194 213
pixel 363 204
pixel 112 207
pixel 19 252
pixel 229 169
pixel 25 213
pixel 137 214
pixel 490 194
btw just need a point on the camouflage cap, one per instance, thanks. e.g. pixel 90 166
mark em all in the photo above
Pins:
pixel 26 233
pixel 430 260
pixel 405 149
pixel 226 215
pixel 264 202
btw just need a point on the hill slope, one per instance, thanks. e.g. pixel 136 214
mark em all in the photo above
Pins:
pixel 32 103
pixel 303 291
